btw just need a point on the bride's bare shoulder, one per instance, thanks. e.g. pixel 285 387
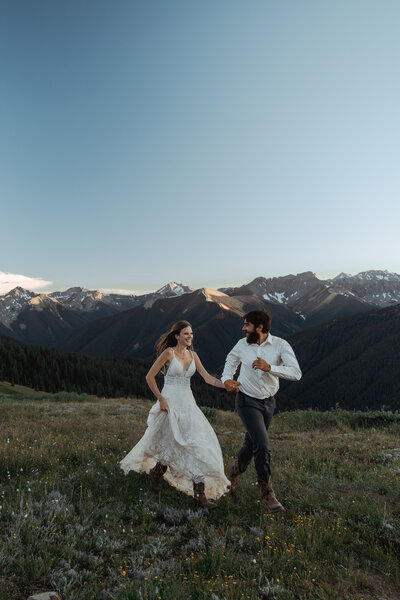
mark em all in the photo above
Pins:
pixel 167 355
pixel 196 358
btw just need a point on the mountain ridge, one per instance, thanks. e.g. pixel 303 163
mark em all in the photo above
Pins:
pixel 296 301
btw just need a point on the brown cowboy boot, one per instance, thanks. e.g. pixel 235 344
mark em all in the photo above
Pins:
pixel 268 494
pixel 155 475
pixel 200 497
pixel 233 472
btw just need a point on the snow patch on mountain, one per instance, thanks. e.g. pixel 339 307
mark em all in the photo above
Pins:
pixel 173 288
pixel 381 288
pixel 12 303
pixel 278 296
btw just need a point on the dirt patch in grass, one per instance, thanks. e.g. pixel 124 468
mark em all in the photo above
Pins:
pixel 374 586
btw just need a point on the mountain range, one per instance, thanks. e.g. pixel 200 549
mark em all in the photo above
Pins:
pixel 94 322
pixel 46 319
pixel 377 288
pixel 49 318
pixel 345 332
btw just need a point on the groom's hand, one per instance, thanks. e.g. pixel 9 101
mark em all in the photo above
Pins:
pixel 231 385
pixel 262 364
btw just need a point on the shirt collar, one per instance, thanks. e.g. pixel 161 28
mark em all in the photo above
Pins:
pixel 269 340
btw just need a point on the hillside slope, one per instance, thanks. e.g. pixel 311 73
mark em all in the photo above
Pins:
pixel 353 362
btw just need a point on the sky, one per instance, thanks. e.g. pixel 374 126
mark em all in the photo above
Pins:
pixel 208 142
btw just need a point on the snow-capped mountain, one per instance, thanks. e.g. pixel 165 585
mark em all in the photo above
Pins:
pixel 12 303
pixel 47 318
pixel 295 301
pixel 369 276
pixel 316 300
pixel 279 290
pixel 380 288
pixel 174 289
pixel 169 290
pixel 82 299
pixel 79 299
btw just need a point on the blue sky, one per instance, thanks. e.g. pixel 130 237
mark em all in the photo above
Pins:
pixel 201 142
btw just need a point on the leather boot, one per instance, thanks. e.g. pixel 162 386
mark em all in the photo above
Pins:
pixel 155 475
pixel 233 472
pixel 200 497
pixel 268 494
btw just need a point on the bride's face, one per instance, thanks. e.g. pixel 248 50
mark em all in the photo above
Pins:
pixel 185 336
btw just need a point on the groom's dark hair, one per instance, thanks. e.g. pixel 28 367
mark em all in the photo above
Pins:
pixel 259 317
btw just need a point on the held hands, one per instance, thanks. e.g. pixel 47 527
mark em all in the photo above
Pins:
pixel 262 364
pixel 164 405
pixel 231 385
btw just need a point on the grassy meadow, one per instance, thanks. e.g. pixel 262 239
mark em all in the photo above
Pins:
pixel 71 521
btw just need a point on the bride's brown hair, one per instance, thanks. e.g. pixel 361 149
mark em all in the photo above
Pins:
pixel 168 340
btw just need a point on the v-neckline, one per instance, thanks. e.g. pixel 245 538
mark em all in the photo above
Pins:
pixel 180 362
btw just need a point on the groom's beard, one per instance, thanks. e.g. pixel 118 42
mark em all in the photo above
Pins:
pixel 253 337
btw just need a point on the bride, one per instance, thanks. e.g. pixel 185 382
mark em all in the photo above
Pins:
pixel 179 444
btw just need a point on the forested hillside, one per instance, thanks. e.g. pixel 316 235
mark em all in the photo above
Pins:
pixel 353 362
pixel 50 370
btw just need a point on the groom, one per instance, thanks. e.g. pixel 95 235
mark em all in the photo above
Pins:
pixel 264 359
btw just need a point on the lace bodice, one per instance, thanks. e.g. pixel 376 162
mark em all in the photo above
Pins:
pixel 176 373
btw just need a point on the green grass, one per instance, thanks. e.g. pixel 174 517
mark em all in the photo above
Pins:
pixel 18 391
pixel 71 521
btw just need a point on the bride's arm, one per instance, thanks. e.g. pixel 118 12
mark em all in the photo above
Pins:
pixel 164 357
pixel 210 379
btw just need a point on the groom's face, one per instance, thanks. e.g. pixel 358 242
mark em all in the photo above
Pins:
pixel 252 335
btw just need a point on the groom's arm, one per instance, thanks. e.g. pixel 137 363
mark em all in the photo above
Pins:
pixel 232 362
pixel 289 367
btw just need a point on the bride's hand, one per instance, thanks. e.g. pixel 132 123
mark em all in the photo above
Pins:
pixel 164 405
pixel 231 385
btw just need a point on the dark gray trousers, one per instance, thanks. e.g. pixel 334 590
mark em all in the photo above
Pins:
pixel 256 416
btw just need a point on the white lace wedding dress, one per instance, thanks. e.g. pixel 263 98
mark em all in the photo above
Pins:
pixel 182 439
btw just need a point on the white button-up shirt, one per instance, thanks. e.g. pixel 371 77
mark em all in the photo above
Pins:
pixel 255 382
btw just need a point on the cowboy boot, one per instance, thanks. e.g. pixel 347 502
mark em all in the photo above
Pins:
pixel 233 472
pixel 200 497
pixel 155 475
pixel 268 494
